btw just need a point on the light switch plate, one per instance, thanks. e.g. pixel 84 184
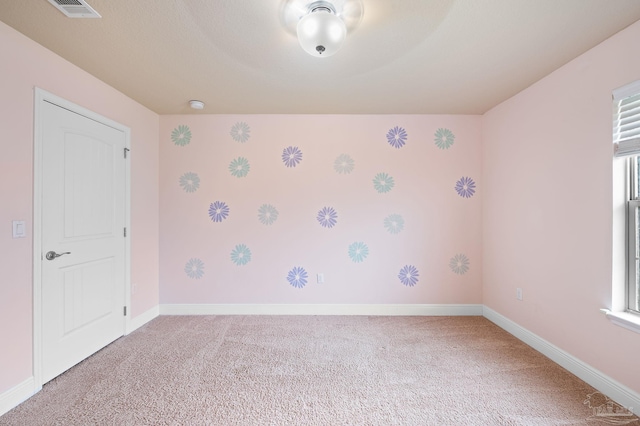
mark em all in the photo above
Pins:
pixel 19 229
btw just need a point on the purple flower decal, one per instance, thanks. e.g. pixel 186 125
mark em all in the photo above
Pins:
pixel 291 156
pixel 297 277
pixel 218 211
pixel 397 137
pixel 466 187
pixel 327 217
pixel 409 275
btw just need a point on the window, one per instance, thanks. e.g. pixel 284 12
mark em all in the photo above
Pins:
pixel 626 137
pixel 633 238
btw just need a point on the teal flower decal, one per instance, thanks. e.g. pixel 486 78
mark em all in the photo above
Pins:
pixel 241 255
pixel 459 264
pixel 190 182
pixel 239 167
pixel 394 223
pixel 358 252
pixel 181 135
pixel 444 138
pixel 382 182
pixel 344 164
pixel 240 132
pixel 267 214
pixel 194 268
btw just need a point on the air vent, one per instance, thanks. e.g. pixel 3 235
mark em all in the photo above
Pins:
pixel 75 8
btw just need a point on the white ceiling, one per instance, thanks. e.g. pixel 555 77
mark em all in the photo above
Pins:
pixel 405 57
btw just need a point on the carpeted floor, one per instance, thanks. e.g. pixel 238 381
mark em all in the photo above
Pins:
pixel 313 370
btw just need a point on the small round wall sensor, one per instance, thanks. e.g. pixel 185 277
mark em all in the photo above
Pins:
pixel 196 104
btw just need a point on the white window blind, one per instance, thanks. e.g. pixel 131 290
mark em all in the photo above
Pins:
pixel 626 120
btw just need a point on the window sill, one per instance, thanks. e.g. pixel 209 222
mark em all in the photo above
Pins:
pixel 624 319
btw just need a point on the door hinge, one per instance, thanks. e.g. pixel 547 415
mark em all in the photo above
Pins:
pixel 125 232
pixel 125 311
pixel 125 152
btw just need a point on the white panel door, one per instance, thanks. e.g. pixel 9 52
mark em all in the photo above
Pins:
pixel 82 237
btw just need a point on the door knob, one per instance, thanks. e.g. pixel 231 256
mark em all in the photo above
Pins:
pixel 52 254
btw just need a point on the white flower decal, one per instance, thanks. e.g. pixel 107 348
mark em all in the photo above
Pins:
pixel 344 164
pixel 267 214
pixel 459 264
pixel 194 268
pixel 190 182
pixel 240 132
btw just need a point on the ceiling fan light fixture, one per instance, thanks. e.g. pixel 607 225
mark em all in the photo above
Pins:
pixel 321 32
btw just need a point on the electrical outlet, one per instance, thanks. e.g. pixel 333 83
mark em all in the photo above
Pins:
pixel 320 278
pixel 519 293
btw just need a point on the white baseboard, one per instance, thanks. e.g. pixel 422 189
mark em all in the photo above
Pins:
pixel 605 384
pixel 137 322
pixel 16 395
pixel 314 309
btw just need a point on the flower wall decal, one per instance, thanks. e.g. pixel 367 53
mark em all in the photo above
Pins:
pixel 394 223
pixel 297 277
pixel 397 137
pixel 327 217
pixel 194 268
pixel 291 156
pixel 267 214
pixel 239 167
pixel 466 187
pixel 181 135
pixel 241 255
pixel 358 252
pixel 240 132
pixel 382 183
pixel 408 275
pixel 218 211
pixel 190 182
pixel 344 164
pixel 459 264
pixel 444 138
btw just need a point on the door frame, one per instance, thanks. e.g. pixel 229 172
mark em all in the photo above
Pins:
pixel 40 97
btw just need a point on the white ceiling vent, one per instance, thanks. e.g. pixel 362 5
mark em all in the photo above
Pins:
pixel 75 8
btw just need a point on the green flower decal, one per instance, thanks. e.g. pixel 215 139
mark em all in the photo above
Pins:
pixel 239 167
pixel 382 182
pixel 358 252
pixel 181 135
pixel 241 255
pixel 444 138
pixel 394 223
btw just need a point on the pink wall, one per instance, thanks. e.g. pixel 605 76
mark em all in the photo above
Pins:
pixel 25 65
pixel 438 223
pixel 547 214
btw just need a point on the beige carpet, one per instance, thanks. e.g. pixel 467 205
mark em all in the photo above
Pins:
pixel 313 370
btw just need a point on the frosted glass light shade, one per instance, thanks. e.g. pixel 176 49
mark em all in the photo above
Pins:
pixel 321 33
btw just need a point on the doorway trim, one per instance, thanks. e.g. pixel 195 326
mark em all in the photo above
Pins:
pixel 41 96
